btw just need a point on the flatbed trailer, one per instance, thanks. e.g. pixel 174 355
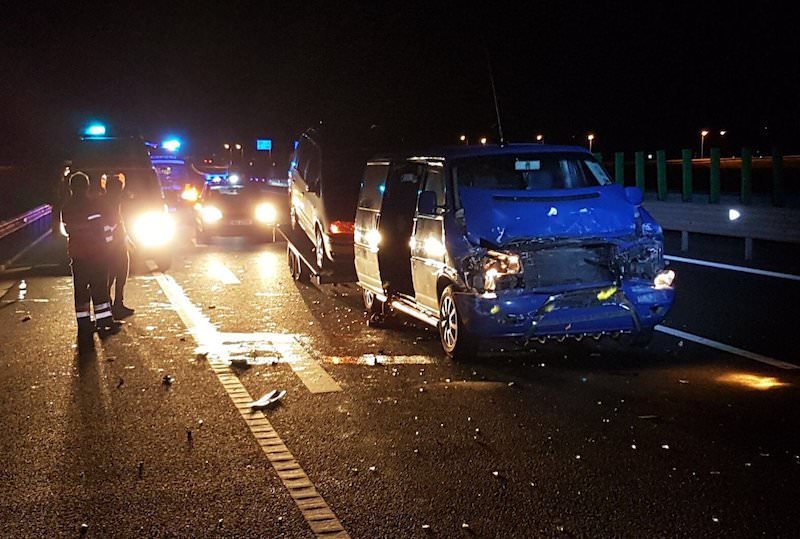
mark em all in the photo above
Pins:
pixel 301 259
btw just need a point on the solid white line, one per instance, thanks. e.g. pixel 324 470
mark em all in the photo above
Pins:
pixel 218 270
pixel 726 348
pixel 731 267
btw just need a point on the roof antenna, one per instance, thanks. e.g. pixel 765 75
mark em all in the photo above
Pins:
pixel 494 93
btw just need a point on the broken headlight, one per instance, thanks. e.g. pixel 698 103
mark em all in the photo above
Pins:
pixel 497 271
pixel 643 260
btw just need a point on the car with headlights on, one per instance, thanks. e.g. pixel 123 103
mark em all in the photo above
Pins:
pixel 150 226
pixel 239 207
pixel 515 244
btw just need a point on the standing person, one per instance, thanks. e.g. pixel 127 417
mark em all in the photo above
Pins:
pixel 118 259
pixel 86 244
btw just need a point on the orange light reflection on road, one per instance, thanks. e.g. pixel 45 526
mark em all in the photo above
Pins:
pixel 752 381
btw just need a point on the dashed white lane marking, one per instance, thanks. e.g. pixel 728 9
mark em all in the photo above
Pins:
pixel 379 359
pixel 219 271
pixel 731 267
pixel 725 347
pixel 315 510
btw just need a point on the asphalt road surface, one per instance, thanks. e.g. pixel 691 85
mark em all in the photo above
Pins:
pixel 379 435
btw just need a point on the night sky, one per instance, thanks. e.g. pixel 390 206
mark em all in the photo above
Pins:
pixel 645 76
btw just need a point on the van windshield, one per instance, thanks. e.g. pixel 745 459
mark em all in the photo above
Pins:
pixel 529 172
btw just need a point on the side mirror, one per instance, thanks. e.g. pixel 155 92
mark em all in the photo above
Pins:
pixel 427 203
pixel 634 195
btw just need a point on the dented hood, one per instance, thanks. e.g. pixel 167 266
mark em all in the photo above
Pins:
pixel 502 216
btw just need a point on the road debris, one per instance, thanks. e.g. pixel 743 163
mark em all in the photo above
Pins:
pixel 649 417
pixel 167 380
pixel 84 528
pixel 189 436
pixel 373 468
pixel 681 381
pixel 140 469
pixel 120 382
pixel 268 399
pixel 664 446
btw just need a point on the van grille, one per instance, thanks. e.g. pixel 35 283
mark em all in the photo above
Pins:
pixel 567 265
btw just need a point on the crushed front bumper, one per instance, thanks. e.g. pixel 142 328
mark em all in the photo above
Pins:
pixel 631 307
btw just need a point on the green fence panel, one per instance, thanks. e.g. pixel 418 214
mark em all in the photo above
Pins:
pixel 778 193
pixel 661 170
pixel 714 182
pixel 638 159
pixel 619 168
pixel 686 166
pixel 747 176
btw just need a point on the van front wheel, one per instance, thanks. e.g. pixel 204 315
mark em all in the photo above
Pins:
pixel 457 341
pixel 319 247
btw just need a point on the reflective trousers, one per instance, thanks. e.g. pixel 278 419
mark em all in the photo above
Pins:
pixel 90 279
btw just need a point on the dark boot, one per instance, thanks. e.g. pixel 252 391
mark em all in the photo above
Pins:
pixel 120 310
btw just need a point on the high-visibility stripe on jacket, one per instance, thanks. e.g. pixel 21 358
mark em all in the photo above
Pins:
pixel 83 220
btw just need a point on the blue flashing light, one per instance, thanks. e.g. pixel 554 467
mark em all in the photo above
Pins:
pixel 296 144
pixel 382 188
pixel 264 145
pixel 95 130
pixel 171 145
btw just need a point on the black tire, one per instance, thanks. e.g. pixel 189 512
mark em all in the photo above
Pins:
pixel 372 304
pixel 640 339
pixel 319 249
pixel 458 343
pixel 295 266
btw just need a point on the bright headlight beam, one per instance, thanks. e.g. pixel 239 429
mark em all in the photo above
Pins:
pixel 266 213
pixel 211 214
pixel 153 229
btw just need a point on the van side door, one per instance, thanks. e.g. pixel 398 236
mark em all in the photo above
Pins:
pixel 427 242
pixel 366 238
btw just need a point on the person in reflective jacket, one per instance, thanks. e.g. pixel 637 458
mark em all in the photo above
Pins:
pixel 87 248
pixel 118 260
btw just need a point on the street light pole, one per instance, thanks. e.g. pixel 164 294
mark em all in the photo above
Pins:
pixel 591 140
pixel 703 134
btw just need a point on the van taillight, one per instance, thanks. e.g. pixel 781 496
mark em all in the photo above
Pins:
pixel 342 227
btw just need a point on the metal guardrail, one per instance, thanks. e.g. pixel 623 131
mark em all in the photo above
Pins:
pixel 20 232
pixel 748 222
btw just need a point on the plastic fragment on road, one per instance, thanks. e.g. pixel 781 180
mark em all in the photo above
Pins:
pixel 464 526
pixel 268 399
pixel 373 468
pixel 665 446
pixel 84 528
pixel 681 381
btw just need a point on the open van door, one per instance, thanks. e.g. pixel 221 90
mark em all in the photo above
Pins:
pixel 367 237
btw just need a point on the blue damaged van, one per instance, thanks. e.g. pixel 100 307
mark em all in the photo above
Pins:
pixel 519 243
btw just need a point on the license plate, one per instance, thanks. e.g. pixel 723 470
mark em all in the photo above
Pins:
pixel 241 222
